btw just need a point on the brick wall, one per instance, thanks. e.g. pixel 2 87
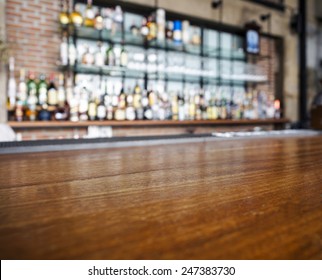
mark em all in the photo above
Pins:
pixel 268 62
pixel 33 34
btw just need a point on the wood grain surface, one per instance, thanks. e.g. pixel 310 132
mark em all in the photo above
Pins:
pixel 236 199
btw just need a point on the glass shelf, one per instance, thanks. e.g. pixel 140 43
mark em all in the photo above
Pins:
pixel 175 75
pixel 213 52
pixel 113 71
pixel 98 35
pixel 219 59
pixel 134 40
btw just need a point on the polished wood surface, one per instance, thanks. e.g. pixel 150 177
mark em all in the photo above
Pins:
pixel 235 199
pixel 138 123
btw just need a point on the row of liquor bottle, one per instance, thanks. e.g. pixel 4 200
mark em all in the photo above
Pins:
pixel 99 56
pixel 39 100
pixel 151 28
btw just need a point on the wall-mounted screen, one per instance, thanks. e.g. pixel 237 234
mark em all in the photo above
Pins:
pixel 252 41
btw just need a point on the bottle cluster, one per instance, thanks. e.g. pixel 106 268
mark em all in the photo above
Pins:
pixel 153 27
pixel 43 99
pixel 38 99
pixel 92 17
pixel 101 55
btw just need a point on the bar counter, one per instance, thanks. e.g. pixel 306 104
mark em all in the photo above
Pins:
pixel 227 199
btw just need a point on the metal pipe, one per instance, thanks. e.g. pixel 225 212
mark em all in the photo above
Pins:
pixel 303 62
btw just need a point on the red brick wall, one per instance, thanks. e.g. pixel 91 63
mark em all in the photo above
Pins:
pixel 268 62
pixel 33 34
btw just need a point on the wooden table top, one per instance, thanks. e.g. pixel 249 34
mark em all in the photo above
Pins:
pixel 236 199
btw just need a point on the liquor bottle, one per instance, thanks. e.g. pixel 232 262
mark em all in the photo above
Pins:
pixel 101 109
pixel 64 50
pixel 175 107
pixel 210 106
pixel 134 29
pixel 177 32
pixel 130 110
pixel 73 102
pixel 99 55
pixel 198 110
pixel 22 88
pixel 92 108
pixel 108 102
pixel 31 111
pixel 218 107
pixel 61 95
pixel 137 102
pixel 147 111
pixel 214 110
pixel 210 110
pixel 98 21
pixel 69 89
pixel 122 99
pixel 75 17
pixel 124 57
pixel 32 99
pixel 117 55
pixel 160 20
pixel 168 107
pixel 117 20
pixel 152 98
pixel 83 105
pixel 106 96
pixel 153 103
pixel 42 90
pixel 185 32
pixel 87 57
pixel 277 107
pixel 196 38
pixel 107 19
pixel 114 99
pixel 19 110
pixel 186 100
pixel 223 114
pixel 89 15
pixel 193 104
pixel 181 107
pixel 162 106
pixel 12 86
pixel 202 107
pixel 130 113
pixel 63 16
pixel 72 52
pixel 21 97
pixel 52 93
pixel 119 109
pixel 169 31
pixel 144 30
pixel 151 24
pixel 31 84
pixel 229 105
pixel 44 114
pixel 110 56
